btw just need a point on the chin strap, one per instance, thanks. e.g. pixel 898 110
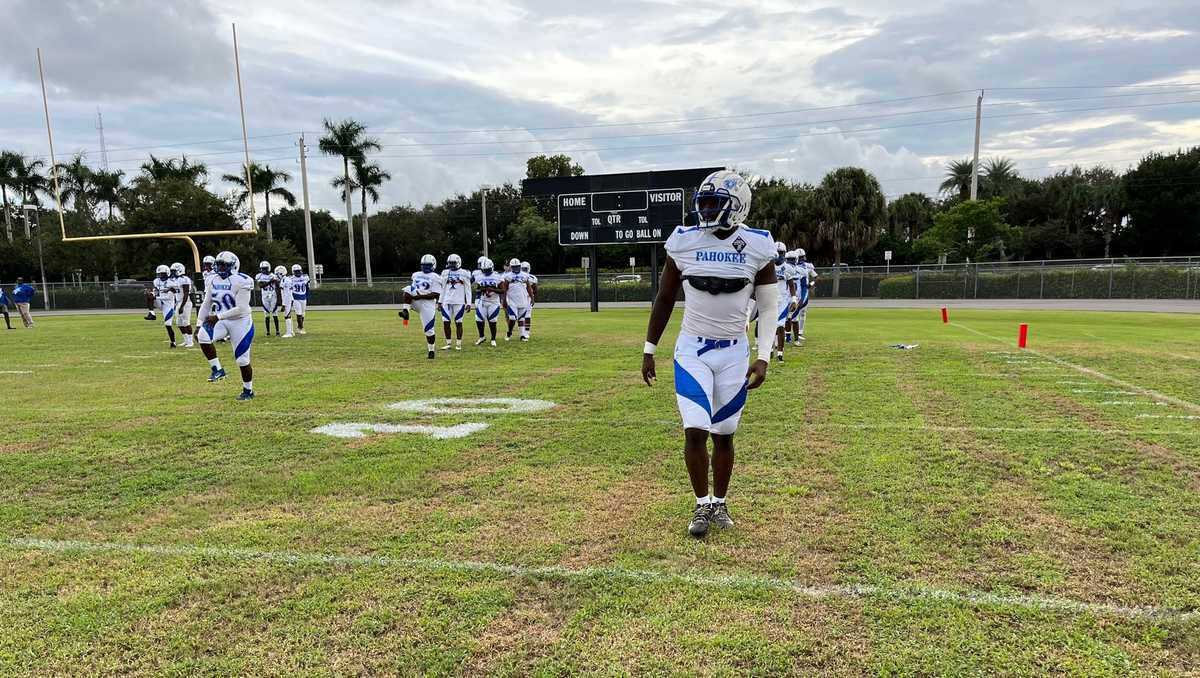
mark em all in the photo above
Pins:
pixel 767 297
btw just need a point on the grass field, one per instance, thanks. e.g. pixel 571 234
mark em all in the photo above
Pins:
pixel 955 509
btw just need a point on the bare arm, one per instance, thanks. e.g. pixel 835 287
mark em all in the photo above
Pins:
pixel 765 281
pixel 660 315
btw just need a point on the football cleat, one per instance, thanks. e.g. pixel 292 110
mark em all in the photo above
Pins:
pixel 698 526
pixel 289 335
pixel 247 394
pixel 301 331
pixel 779 356
pixel 432 354
pixel 446 347
pixel 403 313
pixel 493 342
pixel 524 338
pixel 217 375
pixel 479 341
pixel 720 516
pixel 149 315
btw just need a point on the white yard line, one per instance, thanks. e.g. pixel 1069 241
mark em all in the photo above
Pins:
pixel 16 371
pixel 1160 397
pixel 848 591
pixel 1169 416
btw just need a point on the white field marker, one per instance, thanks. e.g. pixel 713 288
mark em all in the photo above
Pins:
pixel 1169 416
pixel 1161 397
pixel 358 430
pixel 1122 402
pixel 909 593
pixel 16 371
pixel 1092 390
pixel 1076 383
pixel 102 361
pixel 472 406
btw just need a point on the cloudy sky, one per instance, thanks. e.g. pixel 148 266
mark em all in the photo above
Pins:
pixel 461 92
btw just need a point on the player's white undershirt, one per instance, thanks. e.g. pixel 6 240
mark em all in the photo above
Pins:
pixel 698 252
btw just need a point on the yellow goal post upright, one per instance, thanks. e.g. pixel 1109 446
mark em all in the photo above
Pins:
pixel 186 236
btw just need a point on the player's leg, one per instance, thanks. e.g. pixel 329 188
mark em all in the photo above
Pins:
pixel 781 320
pixel 287 320
pixel 267 317
pixel 427 311
pixel 511 316
pixel 8 323
pixel 479 321
pixel 458 327
pixel 301 306
pixel 207 335
pixel 493 318
pixel 445 312
pixel 529 323
pixel 803 315
pixel 241 333
pixel 168 309
pixel 523 321
pixel 693 395
pixel 150 305
pixel 729 399
pixel 185 325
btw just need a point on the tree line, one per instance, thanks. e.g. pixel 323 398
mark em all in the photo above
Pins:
pixel 1150 210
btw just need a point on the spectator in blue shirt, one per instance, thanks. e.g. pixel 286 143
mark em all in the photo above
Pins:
pixel 22 294
pixel 5 302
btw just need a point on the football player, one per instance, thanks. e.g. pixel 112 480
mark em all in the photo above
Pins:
pixel 455 299
pixel 533 291
pixel 487 299
pixel 717 262
pixel 206 272
pixel 227 313
pixel 268 290
pixel 183 310
pixel 807 281
pixel 785 275
pixel 164 295
pixel 285 300
pixel 297 282
pixel 514 294
pixel 422 294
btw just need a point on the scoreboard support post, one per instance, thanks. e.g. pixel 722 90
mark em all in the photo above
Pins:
pixel 653 272
pixel 594 274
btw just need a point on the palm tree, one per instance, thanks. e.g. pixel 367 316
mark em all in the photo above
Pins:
pixel 171 169
pixel 267 181
pixel 77 185
pixel 958 178
pixel 8 163
pixel 999 169
pixel 28 179
pixel 348 140
pixel 369 177
pixel 108 188
pixel 855 213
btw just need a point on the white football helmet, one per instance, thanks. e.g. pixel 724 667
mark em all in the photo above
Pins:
pixel 525 266
pixel 209 262
pixel 453 262
pixel 722 201
pixel 428 263
pixel 226 264
pixel 162 271
pixel 790 256
pixel 486 265
pixel 264 266
pixel 480 260
pixel 514 265
pixel 280 271
pixel 177 269
pixel 800 253
pixel 297 269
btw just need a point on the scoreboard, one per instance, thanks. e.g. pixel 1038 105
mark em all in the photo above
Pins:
pixel 619 217
pixel 619 209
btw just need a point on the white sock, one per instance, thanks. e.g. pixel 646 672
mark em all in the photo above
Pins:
pixel 718 500
pixel 404 307
pixel 215 362
pixel 289 325
pixel 248 385
pixel 703 501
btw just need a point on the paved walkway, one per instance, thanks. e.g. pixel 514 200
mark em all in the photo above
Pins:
pixel 1127 305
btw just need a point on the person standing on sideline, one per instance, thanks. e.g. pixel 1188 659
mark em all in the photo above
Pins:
pixel 5 302
pixel 22 294
pixel 718 262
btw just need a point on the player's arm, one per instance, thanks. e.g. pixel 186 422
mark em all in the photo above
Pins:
pixel 660 315
pixel 504 295
pixel 241 305
pixel 533 288
pixel 470 296
pixel 206 310
pixel 185 293
pixel 766 291
pixel 793 293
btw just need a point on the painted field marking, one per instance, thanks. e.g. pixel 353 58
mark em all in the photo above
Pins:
pixel 1077 383
pixel 136 356
pixel 1168 416
pixel 359 430
pixel 558 572
pixel 16 371
pixel 472 406
pixel 994 429
pixel 1092 390
pixel 98 360
pixel 1122 402
pixel 1161 397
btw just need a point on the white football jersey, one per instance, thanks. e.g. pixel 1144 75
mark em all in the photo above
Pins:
pixel 518 289
pixel 456 287
pixel 699 252
pixel 783 273
pixel 185 281
pixel 298 284
pixel 229 298
pixel 424 283
pixel 164 291
pixel 489 285
pixel 268 283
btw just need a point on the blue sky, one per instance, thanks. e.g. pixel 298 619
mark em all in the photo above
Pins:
pixel 460 93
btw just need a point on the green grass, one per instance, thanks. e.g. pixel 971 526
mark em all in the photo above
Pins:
pixel 944 468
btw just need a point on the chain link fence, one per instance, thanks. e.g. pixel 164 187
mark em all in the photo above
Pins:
pixel 1144 278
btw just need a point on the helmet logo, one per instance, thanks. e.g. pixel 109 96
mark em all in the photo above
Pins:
pixel 730 183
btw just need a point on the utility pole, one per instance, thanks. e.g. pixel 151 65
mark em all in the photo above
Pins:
pixel 975 163
pixel 103 148
pixel 33 220
pixel 312 260
pixel 483 192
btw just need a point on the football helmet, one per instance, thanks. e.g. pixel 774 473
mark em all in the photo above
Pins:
pixel 297 270
pixel 780 253
pixel 800 254
pixel 209 262
pixel 264 267
pixel 177 269
pixel 514 265
pixel 790 257
pixel 453 262
pixel 428 263
pixel 486 265
pixel 722 201
pixel 226 264
pixel 525 266
pixel 280 271
pixel 162 272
